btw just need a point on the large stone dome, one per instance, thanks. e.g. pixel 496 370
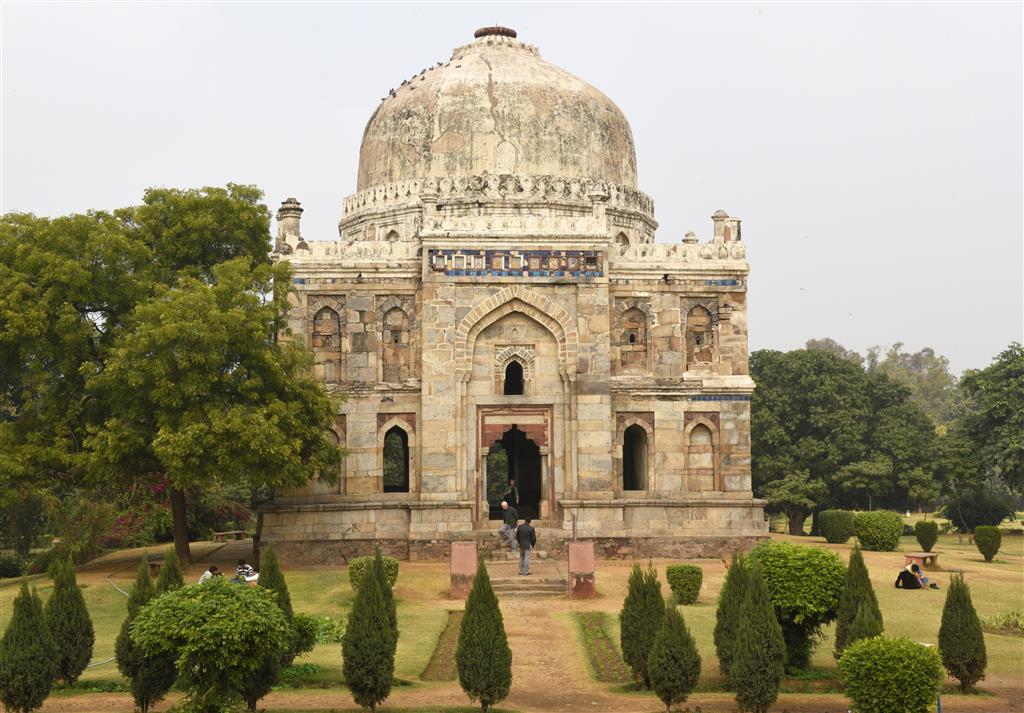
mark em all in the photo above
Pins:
pixel 496 107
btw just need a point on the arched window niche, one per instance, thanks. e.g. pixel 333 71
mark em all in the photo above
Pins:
pixel 634 458
pixel 326 329
pixel 513 383
pixel 396 461
pixel 700 337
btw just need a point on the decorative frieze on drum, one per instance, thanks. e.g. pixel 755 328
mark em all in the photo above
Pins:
pixel 517 263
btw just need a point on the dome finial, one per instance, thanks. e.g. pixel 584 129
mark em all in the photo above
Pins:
pixel 495 30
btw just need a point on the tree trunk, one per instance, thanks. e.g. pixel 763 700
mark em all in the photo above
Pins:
pixel 796 521
pixel 180 519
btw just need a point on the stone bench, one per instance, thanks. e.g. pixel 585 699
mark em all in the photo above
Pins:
pixel 233 534
pixel 925 560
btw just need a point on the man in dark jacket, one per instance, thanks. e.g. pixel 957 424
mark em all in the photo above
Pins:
pixel 527 538
pixel 509 520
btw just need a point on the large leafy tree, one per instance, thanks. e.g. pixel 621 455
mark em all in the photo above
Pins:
pixel 826 433
pixel 66 287
pixel 995 418
pixel 809 418
pixel 199 389
pixel 82 295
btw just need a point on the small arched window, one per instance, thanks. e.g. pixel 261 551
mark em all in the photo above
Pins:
pixel 634 458
pixel 622 240
pixel 700 337
pixel 513 379
pixel 392 236
pixel 326 329
pixel 396 461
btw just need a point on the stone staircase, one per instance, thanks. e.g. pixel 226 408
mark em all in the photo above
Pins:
pixel 544 579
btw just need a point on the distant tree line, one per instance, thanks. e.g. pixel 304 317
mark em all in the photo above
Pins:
pixel 833 429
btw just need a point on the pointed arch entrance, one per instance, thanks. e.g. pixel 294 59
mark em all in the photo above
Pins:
pixel 514 461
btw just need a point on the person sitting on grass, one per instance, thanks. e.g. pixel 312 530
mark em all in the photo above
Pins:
pixel 209 574
pixel 910 577
pixel 245 573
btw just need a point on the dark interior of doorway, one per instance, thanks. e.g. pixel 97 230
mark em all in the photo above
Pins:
pixel 514 458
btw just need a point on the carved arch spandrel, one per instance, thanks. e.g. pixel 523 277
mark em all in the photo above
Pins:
pixel 517 299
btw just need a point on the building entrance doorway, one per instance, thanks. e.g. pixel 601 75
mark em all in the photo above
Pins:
pixel 514 473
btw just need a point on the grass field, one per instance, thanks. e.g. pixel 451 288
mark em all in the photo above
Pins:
pixel 423 607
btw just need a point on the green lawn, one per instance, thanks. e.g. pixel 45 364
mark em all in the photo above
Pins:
pixel 996 587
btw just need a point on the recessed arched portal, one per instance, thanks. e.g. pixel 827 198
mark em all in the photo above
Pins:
pixel 514 473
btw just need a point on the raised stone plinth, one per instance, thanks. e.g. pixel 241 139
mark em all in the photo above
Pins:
pixel 582 580
pixel 462 568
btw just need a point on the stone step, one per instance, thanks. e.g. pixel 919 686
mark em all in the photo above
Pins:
pixel 526 584
pixel 532 593
pixel 497 555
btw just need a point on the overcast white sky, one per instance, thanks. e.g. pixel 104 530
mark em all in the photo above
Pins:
pixel 874 151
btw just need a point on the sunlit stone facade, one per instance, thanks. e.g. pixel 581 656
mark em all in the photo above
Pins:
pixel 497 309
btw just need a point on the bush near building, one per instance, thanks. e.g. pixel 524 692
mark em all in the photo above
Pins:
pixel 804 585
pixel 684 580
pixel 879 530
pixel 759 652
pixel 857 595
pixel 357 566
pixel 885 675
pixel 927 534
pixel 961 642
pixel 730 599
pixel 640 619
pixel 483 656
pixel 674 664
pixel 988 539
pixel 836 526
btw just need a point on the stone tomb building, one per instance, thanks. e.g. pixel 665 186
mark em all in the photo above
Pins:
pixel 497 309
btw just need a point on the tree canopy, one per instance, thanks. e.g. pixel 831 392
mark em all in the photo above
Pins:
pixel 825 432
pixel 143 342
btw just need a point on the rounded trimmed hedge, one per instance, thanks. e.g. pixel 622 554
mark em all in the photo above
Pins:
pixel 804 585
pixel 884 675
pixel 987 538
pixel 685 581
pixel 879 530
pixel 836 526
pixel 927 533
pixel 358 565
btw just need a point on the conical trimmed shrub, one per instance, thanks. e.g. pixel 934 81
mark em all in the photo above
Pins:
pixel 389 597
pixel 368 648
pixel 170 577
pixel 483 656
pixel 68 620
pixel 759 654
pixel 28 655
pixel 961 642
pixel 640 620
pixel 674 664
pixel 857 592
pixel 730 599
pixel 272 578
pixel 866 624
pixel 149 677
